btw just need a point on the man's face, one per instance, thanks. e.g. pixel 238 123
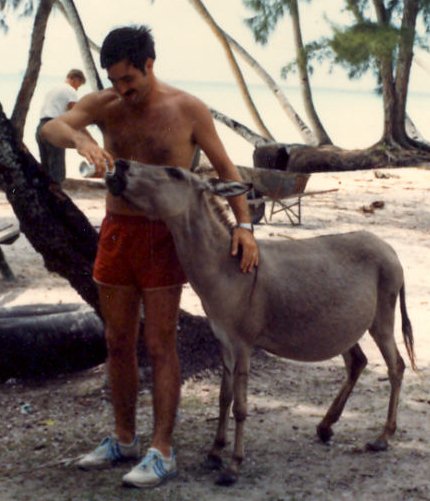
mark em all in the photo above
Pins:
pixel 76 82
pixel 129 82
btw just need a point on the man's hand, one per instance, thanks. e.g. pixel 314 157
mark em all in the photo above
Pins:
pixel 62 134
pixel 88 148
pixel 243 238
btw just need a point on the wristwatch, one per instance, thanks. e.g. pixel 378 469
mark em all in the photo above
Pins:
pixel 246 226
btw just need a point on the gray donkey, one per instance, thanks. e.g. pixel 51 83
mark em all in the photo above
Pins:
pixel 309 299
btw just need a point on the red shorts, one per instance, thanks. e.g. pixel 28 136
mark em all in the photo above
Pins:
pixel 133 250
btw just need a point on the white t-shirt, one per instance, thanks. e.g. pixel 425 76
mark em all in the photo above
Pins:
pixel 57 100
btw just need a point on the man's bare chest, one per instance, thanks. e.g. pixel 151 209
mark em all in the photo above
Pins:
pixel 157 137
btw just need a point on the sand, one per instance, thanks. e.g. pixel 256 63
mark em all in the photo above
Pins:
pixel 284 460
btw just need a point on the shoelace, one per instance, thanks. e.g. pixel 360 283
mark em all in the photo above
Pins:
pixel 154 459
pixel 149 459
pixel 113 450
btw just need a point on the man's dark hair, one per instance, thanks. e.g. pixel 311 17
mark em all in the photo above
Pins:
pixel 132 43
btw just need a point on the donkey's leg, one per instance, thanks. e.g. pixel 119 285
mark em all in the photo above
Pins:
pixel 355 362
pixel 240 387
pixel 396 367
pixel 213 460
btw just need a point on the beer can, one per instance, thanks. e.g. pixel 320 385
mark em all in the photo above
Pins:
pixel 86 169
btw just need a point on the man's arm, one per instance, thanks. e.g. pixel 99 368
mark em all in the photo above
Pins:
pixel 207 138
pixel 68 131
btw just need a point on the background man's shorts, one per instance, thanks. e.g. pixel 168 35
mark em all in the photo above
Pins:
pixel 133 250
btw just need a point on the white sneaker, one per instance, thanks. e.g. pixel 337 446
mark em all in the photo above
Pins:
pixel 109 452
pixel 152 470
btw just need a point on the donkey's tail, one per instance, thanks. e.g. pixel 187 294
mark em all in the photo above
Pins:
pixel 408 335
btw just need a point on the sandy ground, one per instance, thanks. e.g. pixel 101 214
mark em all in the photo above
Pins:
pixel 285 461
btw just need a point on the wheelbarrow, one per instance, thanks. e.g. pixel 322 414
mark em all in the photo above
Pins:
pixel 282 190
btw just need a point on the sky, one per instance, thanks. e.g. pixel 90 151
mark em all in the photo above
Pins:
pixel 188 51
pixel 186 48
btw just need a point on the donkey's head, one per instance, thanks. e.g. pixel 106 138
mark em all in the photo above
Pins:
pixel 164 192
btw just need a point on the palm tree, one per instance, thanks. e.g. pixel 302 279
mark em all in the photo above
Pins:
pixel 68 8
pixel 267 15
pixel 201 9
pixel 25 94
pixel 307 135
pixel 302 65
pixel 385 46
pixel 29 82
pixel 394 131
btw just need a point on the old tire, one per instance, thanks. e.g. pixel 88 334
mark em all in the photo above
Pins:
pixel 42 340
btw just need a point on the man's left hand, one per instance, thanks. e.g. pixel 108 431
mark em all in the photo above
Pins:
pixel 243 238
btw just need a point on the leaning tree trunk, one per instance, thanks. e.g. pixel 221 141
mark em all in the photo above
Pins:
pixel 241 129
pixel 31 75
pixel 403 69
pixel 390 134
pixel 414 133
pixel 405 56
pixel 62 234
pixel 202 10
pixel 307 135
pixel 71 13
pixel 321 134
pixel 47 216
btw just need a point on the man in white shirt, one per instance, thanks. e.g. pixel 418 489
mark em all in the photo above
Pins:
pixel 57 101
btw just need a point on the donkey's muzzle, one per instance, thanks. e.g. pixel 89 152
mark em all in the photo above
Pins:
pixel 115 181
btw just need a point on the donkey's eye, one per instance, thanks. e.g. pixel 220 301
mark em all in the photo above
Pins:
pixel 175 173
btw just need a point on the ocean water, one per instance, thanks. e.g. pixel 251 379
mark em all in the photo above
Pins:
pixel 352 118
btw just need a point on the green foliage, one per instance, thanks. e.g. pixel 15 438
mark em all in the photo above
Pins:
pixel 267 15
pixel 357 8
pixel 24 8
pixel 358 44
pixel 317 51
pixel 363 45
pixel 425 9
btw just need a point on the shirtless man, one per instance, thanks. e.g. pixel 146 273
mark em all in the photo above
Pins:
pixel 143 119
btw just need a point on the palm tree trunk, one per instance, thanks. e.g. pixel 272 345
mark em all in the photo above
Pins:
pixel 404 62
pixel 239 128
pixel 68 8
pixel 413 132
pixel 386 73
pixel 201 9
pixel 390 134
pixel 25 94
pixel 47 216
pixel 321 134
pixel 307 135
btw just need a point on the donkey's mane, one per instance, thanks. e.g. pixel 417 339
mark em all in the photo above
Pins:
pixel 216 203
pixel 219 208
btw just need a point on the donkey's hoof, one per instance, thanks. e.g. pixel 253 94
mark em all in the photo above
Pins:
pixel 226 478
pixel 212 462
pixel 324 433
pixel 377 445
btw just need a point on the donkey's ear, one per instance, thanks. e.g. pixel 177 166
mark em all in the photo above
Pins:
pixel 227 188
